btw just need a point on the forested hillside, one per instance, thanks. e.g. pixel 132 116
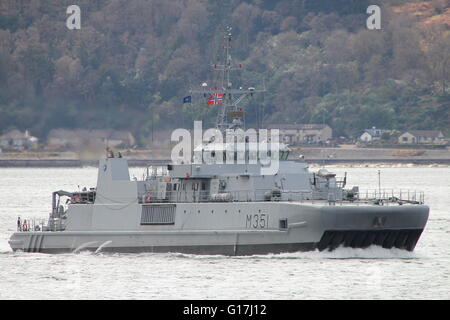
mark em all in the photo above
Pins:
pixel 133 61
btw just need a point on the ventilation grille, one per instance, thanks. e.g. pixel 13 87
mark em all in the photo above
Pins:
pixel 161 214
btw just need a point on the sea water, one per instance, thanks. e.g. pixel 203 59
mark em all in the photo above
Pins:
pixel 372 273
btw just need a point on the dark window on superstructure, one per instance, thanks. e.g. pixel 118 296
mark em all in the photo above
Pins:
pixel 203 185
pixel 283 224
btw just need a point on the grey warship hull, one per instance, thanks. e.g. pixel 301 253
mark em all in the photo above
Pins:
pixel 226 198
pixel 304 227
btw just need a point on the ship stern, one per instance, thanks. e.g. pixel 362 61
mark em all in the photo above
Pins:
pixel 389 226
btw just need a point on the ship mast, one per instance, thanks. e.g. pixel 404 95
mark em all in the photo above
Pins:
pixel 230 98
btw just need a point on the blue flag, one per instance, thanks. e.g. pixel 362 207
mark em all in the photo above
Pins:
pixel 187 99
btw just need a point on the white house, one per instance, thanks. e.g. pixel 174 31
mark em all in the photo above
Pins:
pixel 421 137
pixel 373 134
pixel 16 139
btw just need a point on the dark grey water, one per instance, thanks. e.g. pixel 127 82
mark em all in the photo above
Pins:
pixel 372 273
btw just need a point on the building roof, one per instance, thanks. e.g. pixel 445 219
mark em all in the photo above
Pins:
pixel 308 126
pixel 17 134
pixel 13 134
pixel 425 133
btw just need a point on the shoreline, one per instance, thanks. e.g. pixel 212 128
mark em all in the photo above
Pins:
pixel 346 156
pixel 52 163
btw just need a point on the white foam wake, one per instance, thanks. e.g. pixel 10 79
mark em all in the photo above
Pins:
pixel 372 252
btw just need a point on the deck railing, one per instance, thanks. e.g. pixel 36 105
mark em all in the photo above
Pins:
pixel 383 196
pixel 392 195
pixel 32 224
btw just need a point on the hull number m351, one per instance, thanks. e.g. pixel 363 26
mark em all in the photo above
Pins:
pixel 257 221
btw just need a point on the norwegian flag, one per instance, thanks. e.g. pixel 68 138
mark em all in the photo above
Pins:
pixel 216 98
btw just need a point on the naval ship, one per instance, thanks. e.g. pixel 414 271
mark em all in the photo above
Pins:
pixel 224 207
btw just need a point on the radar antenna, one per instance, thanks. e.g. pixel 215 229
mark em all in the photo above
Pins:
pixel 224 94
